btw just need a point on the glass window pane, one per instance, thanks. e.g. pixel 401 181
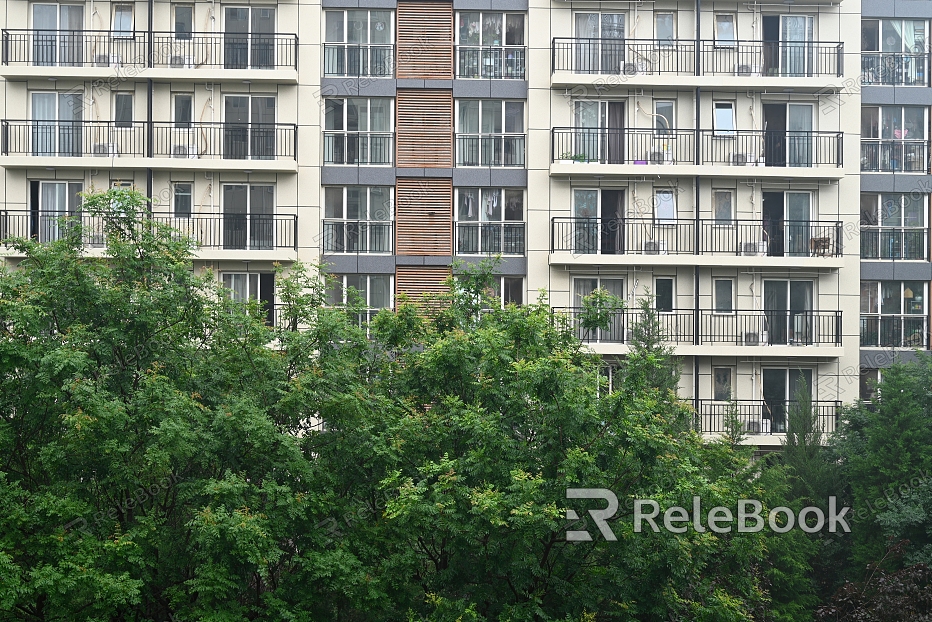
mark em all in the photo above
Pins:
pixel 492 29
pixel 725 28
pixel 468 204
pixel 491 116
pixel 721 384
pixel 664 111
pixel 123 110
pixel 666 209
pixel 357 27
pixel 334 28
pixel 870 122
pixel 724 117
pixel 333 114
pixel 182 200
pixel 335 290
pixel 582 288
pixel 870 35
pixel 869 209
pixel 914 123
pixel 514 29
pixel 333 203
pixel 380 203
pixel 586 203
pixel 665 28
pixel 514 117
pixel 469 32
pixel 723 205
pixel 355 203
pixel 914 297
pixel 381 115
pixel 184 21
pixel 890 298
pixel 514 205
pixel 723 295
pixel 512 290
pixel 664 295
pixel 468 116
pixel 869 297
pixel 380 27
pixel 892 119
pixel 380 291
pixel 891 39
pixel 491 204
pixel 357 114
pixel 890 210
pixel 913 211
pixel 183 111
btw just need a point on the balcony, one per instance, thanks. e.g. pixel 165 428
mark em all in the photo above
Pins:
pixel 739 329
pixel 490 238
pixel 640 237
pixel 894 156
pixel 357 236
pixel 662 61
pixel 894 69
pixel 895 331
pixel 359 148
pixel 491 62
pixel 760 416
pixel 633 148
pixel 494 150
pixel 27 51
pixel 358 61
pixel 229 232
pixel 908 243
pixel 270 146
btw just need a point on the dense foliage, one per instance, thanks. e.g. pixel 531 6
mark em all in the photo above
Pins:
pixel 166 454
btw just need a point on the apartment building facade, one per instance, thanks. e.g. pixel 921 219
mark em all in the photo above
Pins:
pixel 700 155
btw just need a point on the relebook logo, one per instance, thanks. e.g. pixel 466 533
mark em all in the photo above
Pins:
pixel 719 519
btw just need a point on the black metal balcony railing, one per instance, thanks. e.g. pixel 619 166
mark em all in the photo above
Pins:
pixel 359 148
pixel 354 60
pixel 716 147
pixel 652 236
pixel 481 238
pixel 105 48
pixel 911 243
pixel 794 149
pixel 357 236
pixel 767 416
pixel 627 57
pixel 490 149
pixel 890 156
pixel 786 59
pixel 73 138
pixel 895 68
pixel 235 141
pixel 228 141
pixel 737 328
pixel 895 331
pixel 632 57
pixel 492 62
pixel 220 231
pixel 622 146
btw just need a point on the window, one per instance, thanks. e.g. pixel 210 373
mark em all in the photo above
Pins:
pixel 663 295
pixel 893 314
pixel 123 110
pixel 123 20
pixel 49 202
pixel 508 289
pixel 893 35
pixel 248 37
pixel 248 217
pixel 725 34
pixel 183 110
pixel 357 219
pixel 724 119
pixel 184 21
pixel 724 295
pixel 358 130
pixel 893 138
pixel 582 287
pixel 248 286
pixel 490 45
pixel 867 385
pixel 721 384
pixel 665 206
pixel 893 226
pixel 182 200
pixel 358 43
pixel 490 220
pixel 663 117
pixel 489 132
pixel 371 291
pixel 665 31
pixel 58 118
pixel 723 206
pixel 600 46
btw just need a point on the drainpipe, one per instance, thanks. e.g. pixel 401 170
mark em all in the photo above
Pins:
pixel 696 234
pixel 150 133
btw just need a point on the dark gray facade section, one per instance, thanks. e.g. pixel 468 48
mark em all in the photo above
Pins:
pixel 408 83
pixel 492 177
pixel 355 175
pixel 896 8
pixel 489 5
pixel 896 270
pixel 423 260
pixel 424 172
pixel 509 266
pixel 357 87
pixel 899 95
pixel 896 182
pixel 496 89
pixel 877 358
pixel 385 264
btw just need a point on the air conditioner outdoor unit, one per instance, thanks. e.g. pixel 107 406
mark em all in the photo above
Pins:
pixel 755 338
pixel 739 159
pixel 184 150
pixel 107 150
pixel 747 70
pixel 181 62
pixel 752 426
pixel 754 249
pixel 655 248
pixel 107 60
pixel 630 69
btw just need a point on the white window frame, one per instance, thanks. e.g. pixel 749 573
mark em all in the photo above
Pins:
pixel 181 124
pixel 665 42
pixel 187 35
pixel 498 286
pixel 659 130
pixel 730 221
pixel 119 32
pixel 369 26
pixel 717 21
pixel 372 215
pixel 484 160
pixel 726 132
pixel 176 185
pixel 369 100
pixel 672 280
pixel 482 221
pixel 731 382
pixel 661 203
pixel 342 280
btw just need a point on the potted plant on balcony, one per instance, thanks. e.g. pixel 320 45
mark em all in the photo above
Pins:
pixel 568 157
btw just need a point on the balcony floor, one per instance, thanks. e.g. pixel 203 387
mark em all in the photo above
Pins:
pixel 669 81
pixel 580 169
pixel 776 263
pixel 122 73
pixel 284 165
pixel 721 349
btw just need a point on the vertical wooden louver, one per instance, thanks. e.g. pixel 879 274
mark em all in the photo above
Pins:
pixel 424 129
pixel 425 41
pixel 424 217
pixel 417 281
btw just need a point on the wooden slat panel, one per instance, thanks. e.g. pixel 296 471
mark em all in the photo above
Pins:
pixel 416 281
pixel 425 41
pixel 423 216
pixel 424 129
